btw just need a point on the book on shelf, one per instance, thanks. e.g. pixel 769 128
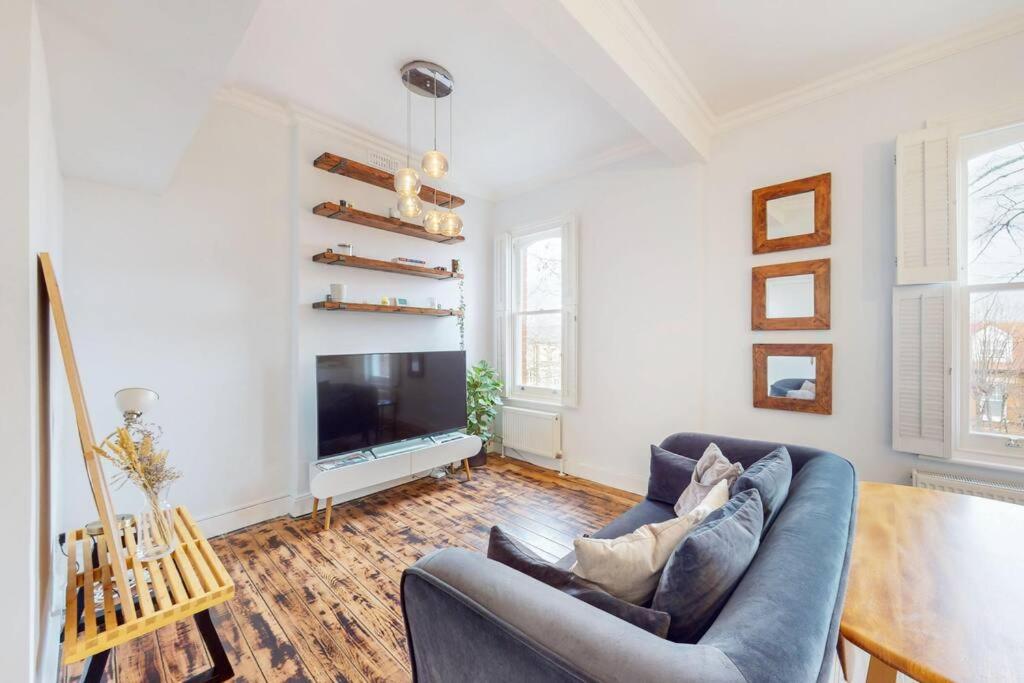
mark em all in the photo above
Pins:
pixel 409 261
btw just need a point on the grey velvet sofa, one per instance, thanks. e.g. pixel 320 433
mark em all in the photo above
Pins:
pixel 471 619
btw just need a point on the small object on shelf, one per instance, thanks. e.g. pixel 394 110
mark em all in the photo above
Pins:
pixel 338 292
pixel 343 248
pixel 412 261
pixel 343 202
pixel 385 301
pixel 328 298
pixel 456 268
pixel 401 301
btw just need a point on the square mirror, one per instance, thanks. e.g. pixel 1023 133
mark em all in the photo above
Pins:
pixel 793 377
pixel 793 215
pixel 791 296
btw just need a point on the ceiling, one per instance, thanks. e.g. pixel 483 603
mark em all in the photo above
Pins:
pixel 737 54
pixel 544 88
pixel 131 81
pixel 519 112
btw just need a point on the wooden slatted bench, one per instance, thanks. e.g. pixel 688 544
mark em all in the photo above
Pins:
pixel 188 582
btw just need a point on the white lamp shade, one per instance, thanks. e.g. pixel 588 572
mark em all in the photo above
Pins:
pixel 135 400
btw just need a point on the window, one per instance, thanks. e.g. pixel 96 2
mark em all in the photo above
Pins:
pixel 536 297
pixel 990 290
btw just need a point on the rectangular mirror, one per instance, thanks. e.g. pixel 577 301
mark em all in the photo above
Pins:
pixel 791 296
pixel 793 377
pixel 793 215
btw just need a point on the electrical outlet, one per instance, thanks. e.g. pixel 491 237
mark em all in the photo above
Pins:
pixel 383 161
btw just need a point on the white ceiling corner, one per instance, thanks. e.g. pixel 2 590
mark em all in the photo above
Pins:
pixel 130 82
pixel 609 44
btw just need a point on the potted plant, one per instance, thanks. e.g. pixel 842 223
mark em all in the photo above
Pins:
pixel 483 396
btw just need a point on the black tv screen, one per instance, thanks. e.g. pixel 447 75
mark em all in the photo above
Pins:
pixel 371 399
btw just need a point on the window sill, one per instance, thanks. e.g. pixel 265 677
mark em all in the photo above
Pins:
pixel 532 401
pixel 984 461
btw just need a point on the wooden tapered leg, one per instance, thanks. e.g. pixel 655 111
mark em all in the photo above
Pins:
pixel 465 466
pixel 880 672
pixel 316 507
pixel 328 507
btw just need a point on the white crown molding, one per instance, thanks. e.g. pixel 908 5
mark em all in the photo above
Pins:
pixel 289 113
pixel 876 69
pixel 622 31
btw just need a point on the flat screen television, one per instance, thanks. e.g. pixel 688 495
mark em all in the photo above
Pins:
pixel 372 399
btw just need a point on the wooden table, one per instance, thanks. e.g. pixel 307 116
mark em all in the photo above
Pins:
pixel 936 586
pixel 188 582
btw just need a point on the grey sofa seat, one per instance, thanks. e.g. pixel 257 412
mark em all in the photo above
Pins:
pixel 471 619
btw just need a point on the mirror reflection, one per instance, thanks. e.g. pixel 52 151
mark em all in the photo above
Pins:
pixel 791 377
pixel 792 215
pixel 791 296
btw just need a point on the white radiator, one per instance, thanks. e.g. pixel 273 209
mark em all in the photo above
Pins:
pixel 533 431
pixel 971 485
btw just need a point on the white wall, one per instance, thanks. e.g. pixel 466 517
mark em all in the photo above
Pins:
pixel 852 135
pixel 30 215
pixel 640 311
pixel 335 332
pixel 188 293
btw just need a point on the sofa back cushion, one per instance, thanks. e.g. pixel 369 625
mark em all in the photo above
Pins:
pixel 502 548
pixel 670 474
pixel 771 476
pixel 705 568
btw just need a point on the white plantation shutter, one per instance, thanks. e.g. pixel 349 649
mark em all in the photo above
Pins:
pixel 503 307
pixel 922 369
pixel 925 208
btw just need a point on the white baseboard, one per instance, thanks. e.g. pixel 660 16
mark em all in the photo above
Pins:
pixel 620 480
pixel 303 505
pixel 247 515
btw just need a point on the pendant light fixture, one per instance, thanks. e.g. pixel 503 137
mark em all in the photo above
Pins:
pixel 407 180
pixel 434 81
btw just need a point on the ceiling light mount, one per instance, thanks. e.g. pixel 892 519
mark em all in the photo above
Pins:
pixel 428 79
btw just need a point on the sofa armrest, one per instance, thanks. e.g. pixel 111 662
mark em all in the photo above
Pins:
pixel 469 618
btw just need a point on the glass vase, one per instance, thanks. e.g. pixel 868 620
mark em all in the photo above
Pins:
pixel 155 528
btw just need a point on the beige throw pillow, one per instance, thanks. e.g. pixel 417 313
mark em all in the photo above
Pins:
pixel 712 468
pixel 629 566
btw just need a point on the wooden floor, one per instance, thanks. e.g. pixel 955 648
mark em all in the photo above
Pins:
pixel 316 605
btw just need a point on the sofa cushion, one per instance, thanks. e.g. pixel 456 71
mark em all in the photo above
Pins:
pixel 670 474
pixel 629 566
pixel 771 476
pixel 502 548
pixel 705 568
pixel 712 468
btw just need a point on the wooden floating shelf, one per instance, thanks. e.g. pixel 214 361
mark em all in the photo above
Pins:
pixel 332 163
pixel 380 308
pixel 372 220
pixel 333 259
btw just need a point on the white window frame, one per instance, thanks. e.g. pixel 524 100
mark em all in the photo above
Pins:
pixel 507 246
pixel 972 447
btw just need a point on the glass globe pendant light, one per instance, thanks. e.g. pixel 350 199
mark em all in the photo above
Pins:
pixel 410 206
pixel 451 225
pixel 433 219
pixel 407 182
pixel 434 163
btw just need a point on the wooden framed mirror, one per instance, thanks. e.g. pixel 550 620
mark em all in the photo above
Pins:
pixel 793 215
pixel 791 296
pixel 793 377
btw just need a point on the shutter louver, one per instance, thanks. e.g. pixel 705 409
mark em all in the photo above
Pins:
pixel 925 214
pixel 922 355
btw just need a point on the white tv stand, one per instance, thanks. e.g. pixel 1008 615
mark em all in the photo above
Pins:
pixel 337 476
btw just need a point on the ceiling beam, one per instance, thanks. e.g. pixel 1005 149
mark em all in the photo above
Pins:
pixel 610 45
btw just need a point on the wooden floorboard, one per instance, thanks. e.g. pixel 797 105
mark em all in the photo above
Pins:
pixel 323 605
